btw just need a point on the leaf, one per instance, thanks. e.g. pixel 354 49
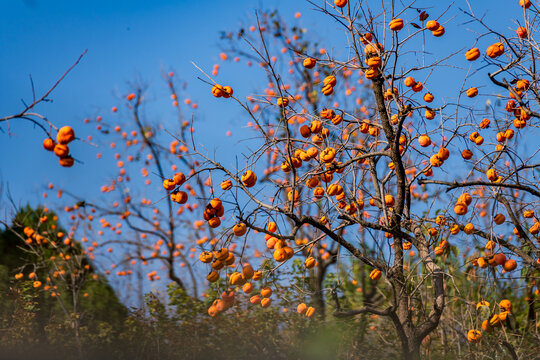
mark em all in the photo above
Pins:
pixel 416 25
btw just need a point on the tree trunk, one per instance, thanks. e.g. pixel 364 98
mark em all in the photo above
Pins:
pixel 318 296
pixel 414 351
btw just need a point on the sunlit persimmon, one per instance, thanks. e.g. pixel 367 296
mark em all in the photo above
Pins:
pixel 65 135
pixel 309 63
pixel 440 31
pixel 396 24
pixel 424 141
pixel 472 54
pixel 522 32
pixel 495 50
pixel 428 97
pixel 61 150
pixel 249 178
pixel 510 265
pixel 49 144
pixel 472 92
pixel 375 274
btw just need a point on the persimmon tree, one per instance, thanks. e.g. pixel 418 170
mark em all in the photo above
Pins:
pixel 139 224
pixel 48 259
pixel 346 170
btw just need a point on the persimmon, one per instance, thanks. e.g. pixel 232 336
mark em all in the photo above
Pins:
pixel 315 127
pixel 466 154
pixel 66 161
pixel 180 197
pixel 469 229
pixel 499 219
pixel 179 178
pixel 266 292
pixel 495 50
pixel 257 275
pixel 65 135
pixel 510 265
pixel 309 262
pixel 239 229
pixel 218 91
pixel 374 49
pixel 330 80
pixel 491 174
pixel 525 3
pixel 255 300
pixel 375 274
pixel 472 54
pixel 340 3
pixel 522 84
pixel 206 257
pixel 305 131
pixel 221 254
pixel 318 192
pixel 336 120
pixel 505 305
pixel 472 92
pixel 169 184
pixel 499 259
pixel 227 92
pixel 424 141
pixel 249 178
pixel 309 63
pixel 61 150
pixel 282 102
pixel 371 73
pixel 366 38
pixel 444 153
pixel 522 32
pixel 418 86
pixel 396 24
pixel 49 144
pixel 432 25
pixel 440 31
pixel 213 276
pixel 374 62
pixel 435 160
pixel 474 336
pixel 237 279
pixel 465 198
pixel 328 155
pixel 460 208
